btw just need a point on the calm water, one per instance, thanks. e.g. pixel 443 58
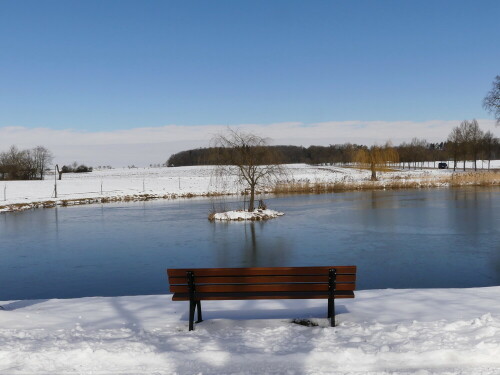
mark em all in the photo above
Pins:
pixel 398 239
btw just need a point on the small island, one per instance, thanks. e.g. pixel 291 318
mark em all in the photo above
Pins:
pixel 240 215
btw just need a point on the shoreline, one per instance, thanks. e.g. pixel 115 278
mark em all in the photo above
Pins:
pixel 305 180
pixel 305 188
pixel 19 207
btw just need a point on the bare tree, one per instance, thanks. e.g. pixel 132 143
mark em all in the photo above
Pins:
pixel 464 134
pixel 454 145
pixel 418 148
pixel 16 164
pixel 403 153
pixel 377 158
pixel 489 142
pixel 475 140
pixel 248 158
pixel 30 164
pixel 468 141
pixel 491 101
pixel 42 159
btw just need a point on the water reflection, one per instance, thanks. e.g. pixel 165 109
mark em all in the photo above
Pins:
pixel 248 244
pixel 398 239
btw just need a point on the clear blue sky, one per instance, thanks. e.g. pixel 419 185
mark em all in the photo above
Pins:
pixel 97 65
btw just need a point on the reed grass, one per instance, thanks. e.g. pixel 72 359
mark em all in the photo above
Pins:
pixel 489 178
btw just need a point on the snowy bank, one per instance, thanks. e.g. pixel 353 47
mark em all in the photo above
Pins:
pixel 255 215
pixel 124 184
pixel 419 331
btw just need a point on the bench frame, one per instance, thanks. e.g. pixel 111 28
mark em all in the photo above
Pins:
pixel 183 285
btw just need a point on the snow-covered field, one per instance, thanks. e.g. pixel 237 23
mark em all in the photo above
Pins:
pixel 172 182
pixel 426 331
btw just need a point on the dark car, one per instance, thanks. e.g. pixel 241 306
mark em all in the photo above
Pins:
pixel 442 166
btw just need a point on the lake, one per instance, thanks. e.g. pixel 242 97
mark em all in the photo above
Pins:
pixel 398 239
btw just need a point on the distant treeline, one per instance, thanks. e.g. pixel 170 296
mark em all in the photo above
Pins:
pixel 288 155
pixel 334 154
pixel 410 155
pixel 29 164
pixel 32 164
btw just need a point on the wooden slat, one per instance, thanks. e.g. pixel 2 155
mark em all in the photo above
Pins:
pixel 255 296
pixel 272 271
pixel 260 279
pixel 238 288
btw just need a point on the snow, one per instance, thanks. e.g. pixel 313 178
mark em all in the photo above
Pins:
pixel 256 214
pixel 150 183
pixel 412 331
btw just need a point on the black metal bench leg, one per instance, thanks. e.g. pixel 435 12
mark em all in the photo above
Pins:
pixel 192 305
pixel 198 307
pixel 331 311
pixel 332 286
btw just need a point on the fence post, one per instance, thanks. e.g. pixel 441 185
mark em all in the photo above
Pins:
pixel 55 180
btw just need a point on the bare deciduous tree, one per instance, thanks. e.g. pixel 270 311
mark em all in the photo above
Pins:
pixel 42 159
pixel 475 139
pixel 248 158
pixel 489 142
pixel 15 164
pixel 463 140
pixel 468 142
pixel 454 145
pixel 418 151
pixel 491 101
pixel 18 164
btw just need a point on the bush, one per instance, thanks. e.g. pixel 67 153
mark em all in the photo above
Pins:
pixel 83 169
pixel 75 168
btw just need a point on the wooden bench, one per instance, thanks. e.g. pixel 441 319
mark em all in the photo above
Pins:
pixel 204 284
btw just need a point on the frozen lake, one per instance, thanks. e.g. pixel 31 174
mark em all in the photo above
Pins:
pixel 398 239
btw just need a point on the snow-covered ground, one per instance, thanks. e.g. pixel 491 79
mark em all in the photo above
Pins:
pixel 419 331
pixel 172 182
pixel 255 215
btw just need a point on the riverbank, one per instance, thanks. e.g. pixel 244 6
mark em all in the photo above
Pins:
pixel 393 181
pixel 139 184
pixel 396 331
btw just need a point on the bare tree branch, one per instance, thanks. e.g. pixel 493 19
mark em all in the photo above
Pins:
pixel 248 158
pixel 491 101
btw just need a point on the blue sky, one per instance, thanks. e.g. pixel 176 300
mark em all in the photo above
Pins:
pixel 94 65
pixel 124 72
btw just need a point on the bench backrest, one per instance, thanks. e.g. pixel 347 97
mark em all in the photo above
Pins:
pixel 285 282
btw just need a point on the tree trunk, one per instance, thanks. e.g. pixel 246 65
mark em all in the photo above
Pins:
pixel 252 199
pixel 374 172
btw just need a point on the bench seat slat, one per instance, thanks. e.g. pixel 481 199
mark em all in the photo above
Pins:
pixel 271 271
pixel 309 287
pixel 261 295
pixel 261 279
